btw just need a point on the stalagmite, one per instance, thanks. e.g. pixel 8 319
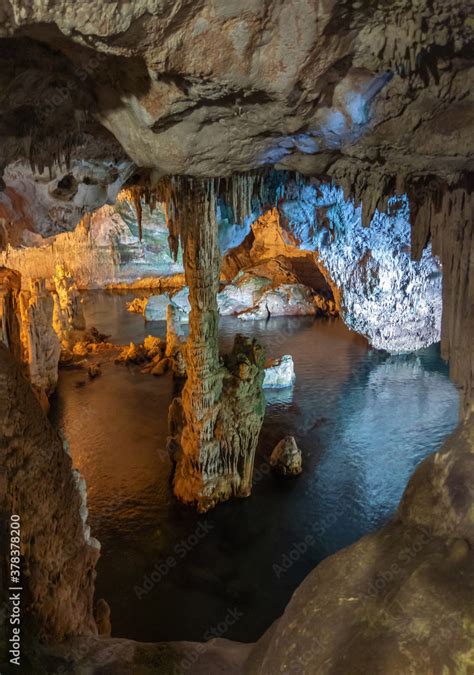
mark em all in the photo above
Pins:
pixel 214 436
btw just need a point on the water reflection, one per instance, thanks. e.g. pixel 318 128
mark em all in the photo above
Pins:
pixel 363 421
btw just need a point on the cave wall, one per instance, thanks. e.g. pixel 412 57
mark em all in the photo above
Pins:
pixel 58 555
pixel 395 301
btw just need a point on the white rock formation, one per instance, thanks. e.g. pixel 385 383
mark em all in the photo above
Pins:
pixel 392 299
pixel 285 300
pixel 155 309
pixel 241 294
pixel 279 373
pixel 181 300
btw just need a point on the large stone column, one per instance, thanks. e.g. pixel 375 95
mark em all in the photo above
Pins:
pixel 215 424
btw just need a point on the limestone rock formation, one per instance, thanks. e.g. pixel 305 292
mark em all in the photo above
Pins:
pixel 137 305
pixel 41 346
pixel 385 295
pixel 279 373
pixel 242 294
pixel 285 300
pixel 286 458
pixel 58 554
pixel 102 618
pixel 180 299
pixel 175 343
pixel 214 437
pixel 155 309
pixel 68 314
pixel 310 87
pixel 10 285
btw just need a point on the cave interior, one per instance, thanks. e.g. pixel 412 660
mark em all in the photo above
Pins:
pixel 236 337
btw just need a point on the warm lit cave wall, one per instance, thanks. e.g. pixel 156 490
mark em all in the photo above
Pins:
pixel 39 483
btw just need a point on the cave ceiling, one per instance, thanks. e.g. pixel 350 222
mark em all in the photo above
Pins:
pixel 213 87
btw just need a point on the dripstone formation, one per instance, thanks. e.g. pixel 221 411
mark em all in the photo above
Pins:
pixel 215 424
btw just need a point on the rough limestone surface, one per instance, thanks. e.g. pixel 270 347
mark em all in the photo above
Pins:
pixel 310 86
pixel 68 313
pixel 215 423
pixel 242 294
pixel 155 308
pixel 393 300
pixel 279 373
pixel 284 300
pixel 286 458
pixel 41 346
pixel 104 249
pixel 10 286
pixel 58 554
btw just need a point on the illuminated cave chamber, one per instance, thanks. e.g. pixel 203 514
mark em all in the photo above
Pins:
pixel 323 156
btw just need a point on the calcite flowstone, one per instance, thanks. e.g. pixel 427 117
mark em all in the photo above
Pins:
pixel 286 458
pixel 41 346
pixel 279 373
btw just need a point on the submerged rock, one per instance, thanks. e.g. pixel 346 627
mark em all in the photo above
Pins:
pixel 133 353
pixel 94 371
pixel 279 373
pixel 153 346
pixel 137 305
pixel 286 457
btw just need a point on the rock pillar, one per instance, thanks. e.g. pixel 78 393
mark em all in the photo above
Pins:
pixel 215 425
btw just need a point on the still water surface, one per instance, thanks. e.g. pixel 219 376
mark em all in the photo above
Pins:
pixel 362 419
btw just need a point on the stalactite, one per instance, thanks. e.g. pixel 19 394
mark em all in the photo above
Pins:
pixel 444 214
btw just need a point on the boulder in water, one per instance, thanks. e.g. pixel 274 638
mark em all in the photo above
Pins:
pixel 279 373
pixel 286 458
